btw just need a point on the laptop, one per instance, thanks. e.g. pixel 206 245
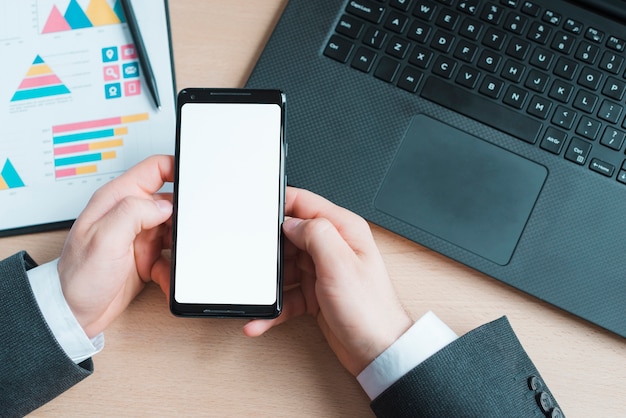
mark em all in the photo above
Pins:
pixel 493 132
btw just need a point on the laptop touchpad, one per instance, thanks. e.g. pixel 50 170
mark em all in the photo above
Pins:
pixel 461 189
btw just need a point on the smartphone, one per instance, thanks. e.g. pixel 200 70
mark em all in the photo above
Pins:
pixel 229 193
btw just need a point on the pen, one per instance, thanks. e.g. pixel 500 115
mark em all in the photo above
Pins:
pixel 144 62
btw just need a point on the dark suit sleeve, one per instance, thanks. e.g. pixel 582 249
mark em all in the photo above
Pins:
pixel 485 373
pixel 33 367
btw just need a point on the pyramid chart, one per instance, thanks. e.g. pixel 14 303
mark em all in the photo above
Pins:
pixel 9 179
pixel 40 81
pixel 97 13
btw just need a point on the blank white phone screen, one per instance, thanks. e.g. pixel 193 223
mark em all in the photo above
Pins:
pixel 228 203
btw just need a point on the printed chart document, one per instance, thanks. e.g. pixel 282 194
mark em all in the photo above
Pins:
pixel 75 109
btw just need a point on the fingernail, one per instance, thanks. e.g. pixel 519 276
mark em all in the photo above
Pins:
pixel 165 206
pixel 291 223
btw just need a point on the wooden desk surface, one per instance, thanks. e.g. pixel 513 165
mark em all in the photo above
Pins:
pixel 157 365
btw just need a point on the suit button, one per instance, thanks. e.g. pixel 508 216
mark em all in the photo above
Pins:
pixel 544 400
pixel 557 413
pixel 535 383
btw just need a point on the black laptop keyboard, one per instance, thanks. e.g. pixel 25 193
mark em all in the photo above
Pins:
pixel 527 70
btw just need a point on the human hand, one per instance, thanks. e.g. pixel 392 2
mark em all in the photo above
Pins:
pixel 115 245
pixel 334 271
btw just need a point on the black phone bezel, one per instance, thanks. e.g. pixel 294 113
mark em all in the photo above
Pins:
pixel 211 95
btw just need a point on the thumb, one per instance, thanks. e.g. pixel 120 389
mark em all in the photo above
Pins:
pixel 132 215
pixel 321 240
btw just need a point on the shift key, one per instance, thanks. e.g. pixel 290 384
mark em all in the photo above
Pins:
pixel 482 109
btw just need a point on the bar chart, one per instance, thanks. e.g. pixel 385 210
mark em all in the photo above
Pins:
pixel 90 147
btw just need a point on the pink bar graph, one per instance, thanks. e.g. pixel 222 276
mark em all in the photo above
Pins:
pixel 87 125
pixel 71 149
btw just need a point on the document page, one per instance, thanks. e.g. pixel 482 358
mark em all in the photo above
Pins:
pixel 75 108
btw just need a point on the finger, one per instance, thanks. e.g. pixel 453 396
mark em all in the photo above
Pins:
pixel 141 180
pixel 121 225
pixel 303 204
pixel 161 275
pixel 294 305
pixel 321 240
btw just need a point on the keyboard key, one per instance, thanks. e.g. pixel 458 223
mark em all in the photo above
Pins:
pixel 531 9
pixel 602 167
pixel 471 29
pixel 444 66
pixel 467 77
pixel 420 57
pixel 565 68
pixel 409 79
pixel 594 35
pixel 481 109
pixel 513 71
pixel 539 107
pixel 400 4
pixel 573 26
pixel 611 62
pixel 551 17
pixel 589 78
pixel 553 140
pixel 539 33
pixel 610 111
pixel 585 101
pixel 374 37
pixel 587 52
pixel 419 31
pixel 447 19
pixel 349 27
pixel 492 13
pixel 518 49
pixel 616 43
pixel 561 91
pixel 338 48
pixel 537 81
pixel 494 38
pixel 489 61
pixel 468 6
pixel 424 9
pixel 363 59
pixel 396 22
pixel 387 69
pixel 578 151
pixel 442 41
pixel 398 47
pixel 588 128
pixel 491 87
pixel 614 88
pixel 541 58
pixel 515 97
pixel 465 51
pixel 564 117
pixel 563 42
pixel 613 138
pixel 515 23
pixel 366 9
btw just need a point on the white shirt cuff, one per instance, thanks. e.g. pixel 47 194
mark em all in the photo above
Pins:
pixel 427 336
pixel 46 286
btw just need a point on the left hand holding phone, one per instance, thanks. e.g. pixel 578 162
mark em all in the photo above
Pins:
pixel 334 271
pixel 114 247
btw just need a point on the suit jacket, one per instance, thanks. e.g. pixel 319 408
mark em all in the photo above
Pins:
pixel 485 373
pixel 33 367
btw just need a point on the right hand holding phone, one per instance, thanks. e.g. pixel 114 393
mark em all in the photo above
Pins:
pixel 334 271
